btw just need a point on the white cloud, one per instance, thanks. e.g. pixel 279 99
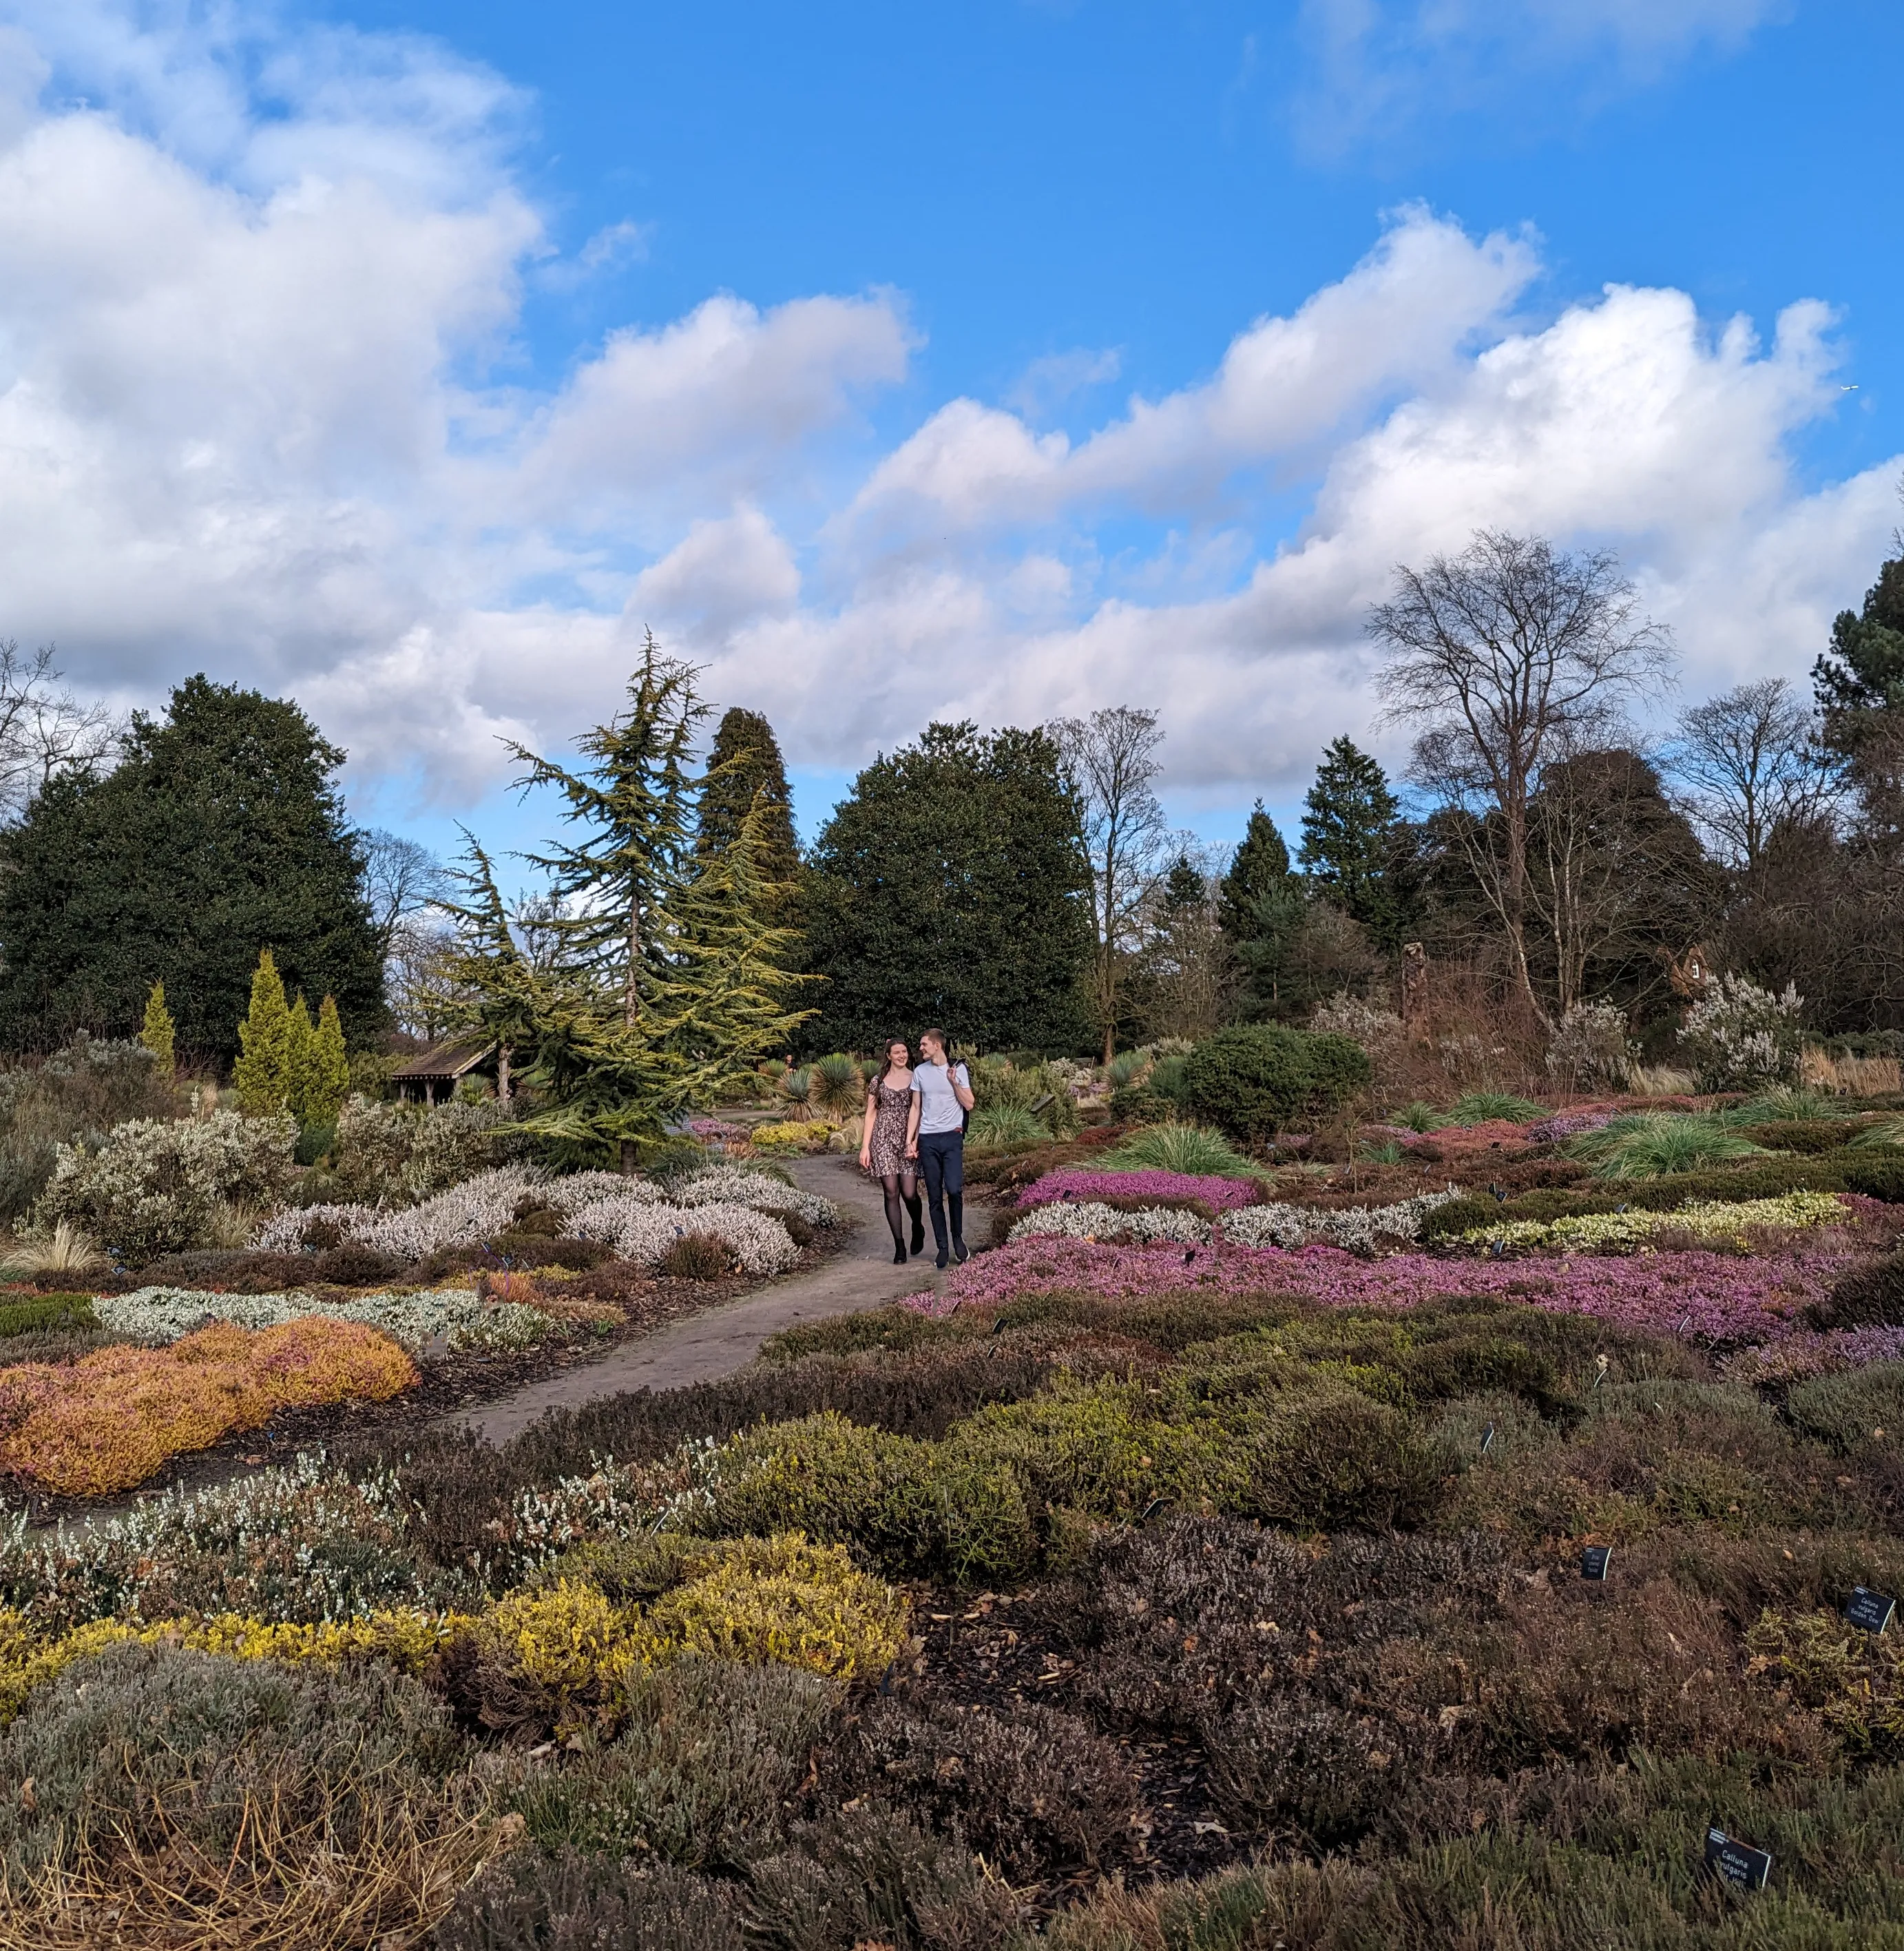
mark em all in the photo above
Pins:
pixel 1379 66
pixel 261 412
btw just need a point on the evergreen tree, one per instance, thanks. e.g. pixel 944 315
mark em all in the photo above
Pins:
pixel 666 987
pixel 264 1073
pixel 328 1077
pixel 496 989
pixel 744 769
pixel 1183 888
pixel 1260 909
pixel 1863 672
pixel 158 1032
pixel 301 1061
pixel 949 887
pixel 220 832
pixel 1349 818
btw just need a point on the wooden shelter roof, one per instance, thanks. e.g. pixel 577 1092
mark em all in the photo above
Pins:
pixel 445 1061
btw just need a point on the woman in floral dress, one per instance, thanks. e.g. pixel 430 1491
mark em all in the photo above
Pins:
pixel 882 1149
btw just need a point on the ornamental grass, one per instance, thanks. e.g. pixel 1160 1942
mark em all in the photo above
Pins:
pixel 112 1418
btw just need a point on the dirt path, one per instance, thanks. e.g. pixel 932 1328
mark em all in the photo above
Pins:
pixel 707 1346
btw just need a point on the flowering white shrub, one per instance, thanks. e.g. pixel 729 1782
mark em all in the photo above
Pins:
pixel 465 1216
pixel 1590 1046
pixel 1089 1219
pixel 630 1215
pixel 1357 1228
pixel 1345 1015
pixel 1740 1036
pixel 162 1185
pixel 735 1185
pixel 452 1315
pixel 643 1231
pixel 613 1501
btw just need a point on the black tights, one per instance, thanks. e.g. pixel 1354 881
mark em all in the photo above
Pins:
pixel 902 1197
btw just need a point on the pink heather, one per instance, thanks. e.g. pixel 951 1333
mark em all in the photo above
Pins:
pixel 1714 1298
pixel 1220 1194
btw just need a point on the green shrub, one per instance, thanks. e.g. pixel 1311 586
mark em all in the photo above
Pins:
pixel 1332 1459
pixel 1138 1104
pixel 909 1506
pixel 1809 1136
pixel 1850 1409
pixel 45 1311
pixel 994 1125
pixel 1254 1080
pixel 1876 1176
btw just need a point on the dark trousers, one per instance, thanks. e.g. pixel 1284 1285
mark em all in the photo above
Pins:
pixel 942 1164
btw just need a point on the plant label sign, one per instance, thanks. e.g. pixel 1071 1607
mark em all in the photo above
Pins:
pixel 1594 1562
pixel 1871 1610
pixel 1487 1439
pixel 1734 1863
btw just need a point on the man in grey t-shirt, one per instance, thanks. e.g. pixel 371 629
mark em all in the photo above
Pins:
pixel 935 1136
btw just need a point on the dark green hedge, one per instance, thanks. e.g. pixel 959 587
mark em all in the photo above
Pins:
pixel 1254 1080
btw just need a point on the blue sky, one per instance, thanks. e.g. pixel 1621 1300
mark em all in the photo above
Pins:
pixel 1029 357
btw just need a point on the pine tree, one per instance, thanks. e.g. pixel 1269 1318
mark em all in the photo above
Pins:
pixel 501 996
pixel 328 1067
pixel 1259 907
pixel 665 988
pixel 263 1071
pixel 1350 818
pixel 1183 888
pixel 158 1034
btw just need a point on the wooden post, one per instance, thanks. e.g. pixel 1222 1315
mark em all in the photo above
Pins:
pixel 1415 990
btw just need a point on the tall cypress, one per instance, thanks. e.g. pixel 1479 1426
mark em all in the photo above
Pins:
pixel 744 767
pixel 1259 905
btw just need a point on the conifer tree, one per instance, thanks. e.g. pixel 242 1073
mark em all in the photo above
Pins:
pixel 327 1072
pixel 1349 820
pixel 301 1048
pixel 666 986
pixel 158 1034
pixel 745 769
pixel 1260 906
pixel 263 1072
pixel 501 996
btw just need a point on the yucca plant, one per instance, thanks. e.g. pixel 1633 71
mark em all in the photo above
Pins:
pixel 1128 1066
pixel 1885 1131
pixel 1483 1107
pixel 1035 1089
pixel 836 1087
pixel 1193 1149
pixel 1654 1144
pixel 797 1087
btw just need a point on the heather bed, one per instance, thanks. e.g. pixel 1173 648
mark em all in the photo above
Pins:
pixel 930 1627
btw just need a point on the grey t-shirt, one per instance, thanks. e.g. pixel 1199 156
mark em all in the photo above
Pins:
pixel 938 1110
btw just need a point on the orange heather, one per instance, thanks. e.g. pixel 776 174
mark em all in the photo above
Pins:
pixel 109 1420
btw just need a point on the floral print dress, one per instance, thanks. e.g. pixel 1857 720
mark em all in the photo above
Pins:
pixel 888 1150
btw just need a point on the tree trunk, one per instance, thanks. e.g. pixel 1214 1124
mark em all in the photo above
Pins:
pixel 630 1153
pixel 502 1074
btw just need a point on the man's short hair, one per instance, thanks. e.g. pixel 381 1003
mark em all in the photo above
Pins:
pixel 937 1037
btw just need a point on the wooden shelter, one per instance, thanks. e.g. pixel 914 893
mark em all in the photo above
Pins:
pixel 436 1074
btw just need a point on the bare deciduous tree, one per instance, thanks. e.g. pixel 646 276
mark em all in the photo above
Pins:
pixel 44 728
pixel 1750 760
pixel 1111 759
pixel 402 878
pixel 1507 655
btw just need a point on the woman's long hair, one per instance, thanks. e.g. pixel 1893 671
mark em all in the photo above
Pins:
pixel 886 1069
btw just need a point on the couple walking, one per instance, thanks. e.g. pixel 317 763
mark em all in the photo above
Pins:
pixel 915 1125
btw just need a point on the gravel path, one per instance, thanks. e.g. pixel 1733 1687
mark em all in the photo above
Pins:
pixel 707 1346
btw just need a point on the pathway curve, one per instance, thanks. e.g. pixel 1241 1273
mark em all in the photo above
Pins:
pixel 706 1347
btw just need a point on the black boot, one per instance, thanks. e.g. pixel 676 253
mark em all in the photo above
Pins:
pixel 899 1252
pixel 956 1201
